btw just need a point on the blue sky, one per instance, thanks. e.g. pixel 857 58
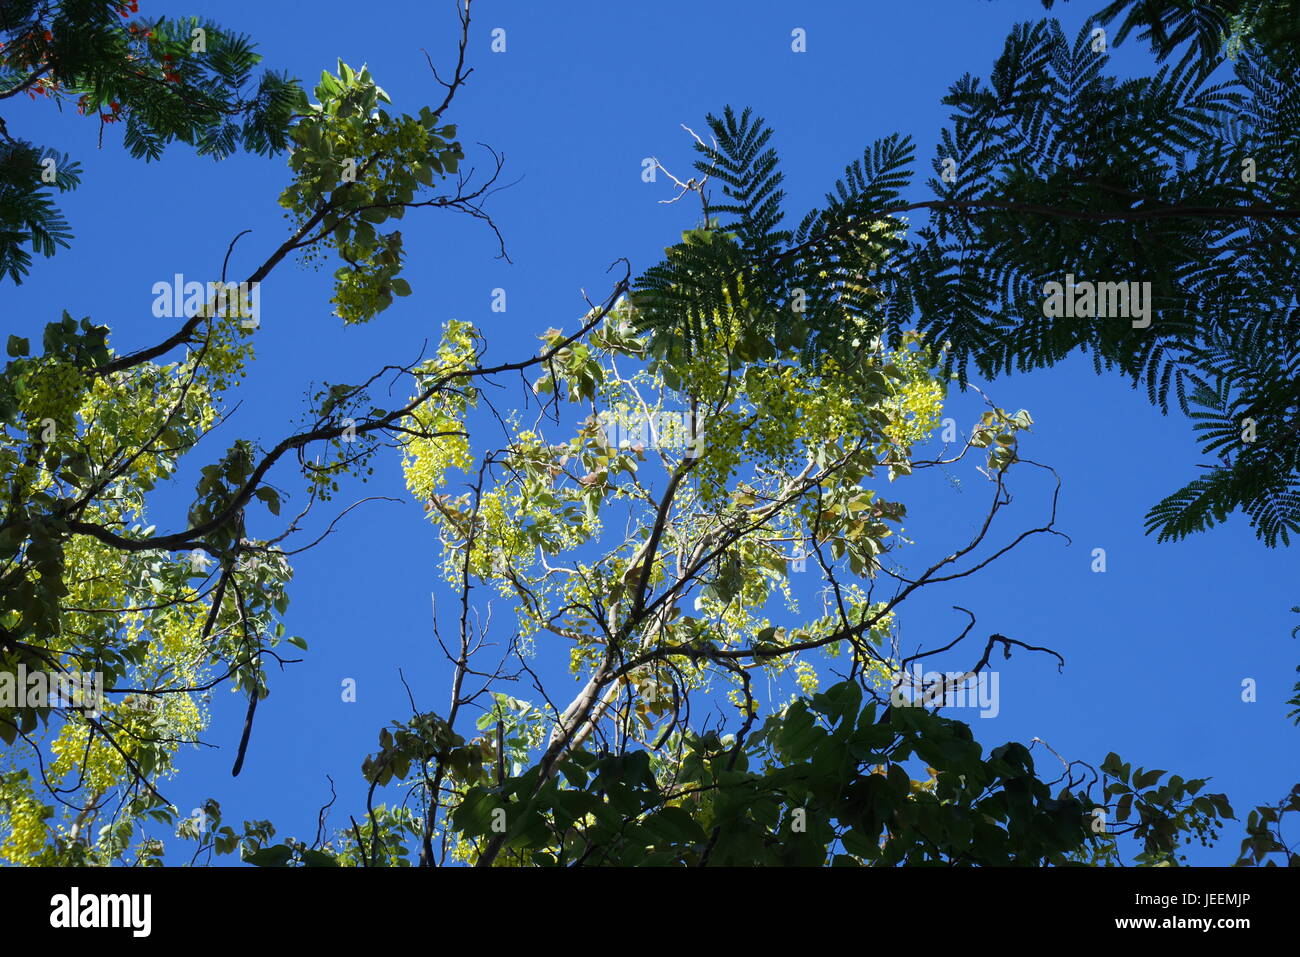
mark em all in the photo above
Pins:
pixel 1156 647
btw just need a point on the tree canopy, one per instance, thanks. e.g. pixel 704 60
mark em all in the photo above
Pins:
pixel 1051 168
pixel 739 409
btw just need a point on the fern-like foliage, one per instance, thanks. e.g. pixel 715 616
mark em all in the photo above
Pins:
pixel 160 81
pixel 1200 28
pixel 1179 180
pixel 29 220
pixel 1182 182
pixel 746 278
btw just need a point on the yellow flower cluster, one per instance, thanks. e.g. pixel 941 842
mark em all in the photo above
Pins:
pixel 25 818
pixel 426 459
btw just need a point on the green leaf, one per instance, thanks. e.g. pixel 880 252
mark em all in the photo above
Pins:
pixel 271 497
pixel 277 855
pixel 312 858
pixel 1146 780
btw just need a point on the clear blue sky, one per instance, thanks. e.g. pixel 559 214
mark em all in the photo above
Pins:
pixel 1156 647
